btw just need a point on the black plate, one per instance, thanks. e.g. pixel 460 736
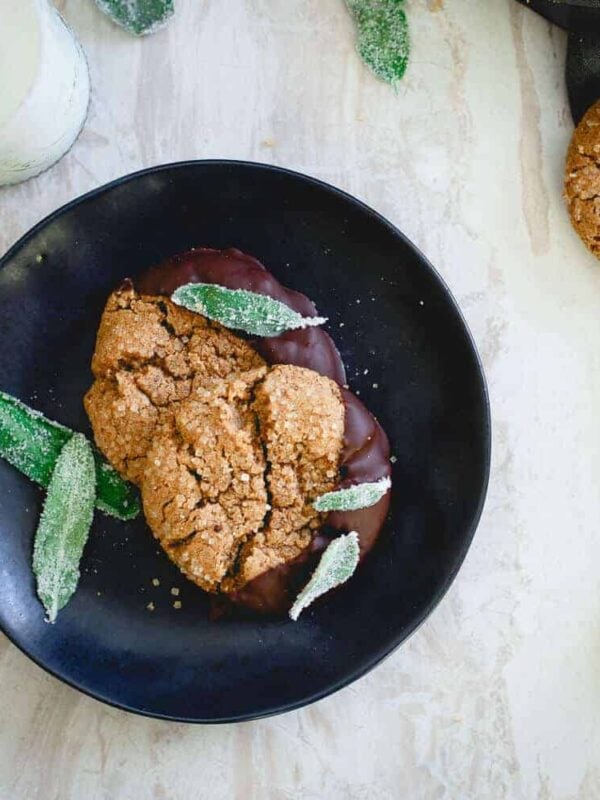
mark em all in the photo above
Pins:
pixel 399 322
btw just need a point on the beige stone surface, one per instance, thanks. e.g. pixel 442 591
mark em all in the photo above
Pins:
pixel 497 695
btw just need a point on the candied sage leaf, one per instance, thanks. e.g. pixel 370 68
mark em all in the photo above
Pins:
pixel 65 525
pixel 115 496
pixel 140 17
pixel 337 564
pixel 363 495
pixel 382 36
pixel 256 314
pixel 32 443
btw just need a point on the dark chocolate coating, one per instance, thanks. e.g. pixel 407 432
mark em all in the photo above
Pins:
pixel 366 450
pixel 310 347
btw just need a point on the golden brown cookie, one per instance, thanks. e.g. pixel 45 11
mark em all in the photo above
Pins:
pixel 229 453
pixel 582 179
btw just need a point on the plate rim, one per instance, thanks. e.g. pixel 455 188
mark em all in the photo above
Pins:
pixel 397 640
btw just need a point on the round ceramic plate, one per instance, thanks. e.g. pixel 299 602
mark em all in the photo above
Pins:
pixel 390 314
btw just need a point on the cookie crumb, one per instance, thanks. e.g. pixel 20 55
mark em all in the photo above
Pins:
pixel 155 582
pixel 177 604
pixel 150 606
pixel 175 591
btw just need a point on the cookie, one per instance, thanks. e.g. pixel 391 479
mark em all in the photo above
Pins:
pixel 229 453
pixel 582 179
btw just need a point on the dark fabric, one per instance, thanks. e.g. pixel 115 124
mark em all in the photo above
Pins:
pixel 574 15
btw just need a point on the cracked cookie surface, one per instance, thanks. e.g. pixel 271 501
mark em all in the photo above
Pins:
pixel 582 179
pixel 149 355
pixel 301 422
pixel 228 452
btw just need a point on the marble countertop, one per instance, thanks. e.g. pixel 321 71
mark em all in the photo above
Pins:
pixel 498 694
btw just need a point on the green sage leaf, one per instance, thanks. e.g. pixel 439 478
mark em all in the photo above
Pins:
pixel 65 525
pixel 140 17
pixel 363 495
pixel 253 313
pixel 337 564
pixel 32 443
pixel 383 40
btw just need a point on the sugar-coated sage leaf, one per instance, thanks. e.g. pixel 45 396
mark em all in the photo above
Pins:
pixel 337 564
pixel 253 313
pixel 363 495
pixel 65 525
pixel 382 36
pixel 140 17
pixel 32 443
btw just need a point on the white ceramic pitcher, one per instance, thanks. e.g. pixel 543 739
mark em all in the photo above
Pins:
pixel 44 88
